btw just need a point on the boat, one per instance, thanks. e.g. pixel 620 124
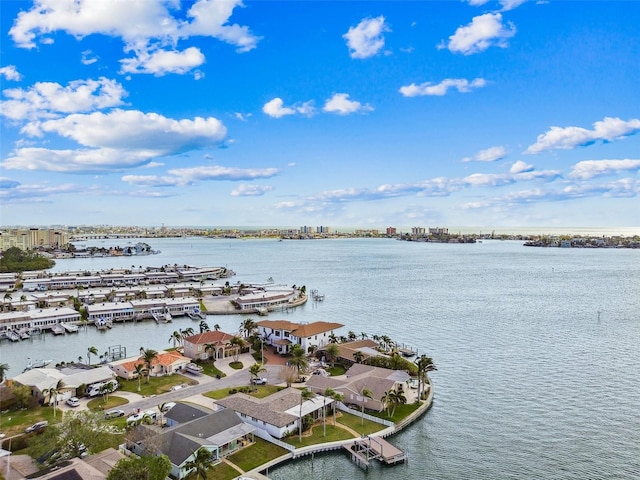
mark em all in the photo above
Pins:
pixel 36 364
pixel 12 335
pixel 24 334
pixel 57 329
pixel 194 368
pixel 262 311
pixel 162 317
pixel 102 324
pixel 70 327
pixel 407 352
pixel 196 314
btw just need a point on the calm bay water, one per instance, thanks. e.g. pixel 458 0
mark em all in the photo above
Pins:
pixel 537 349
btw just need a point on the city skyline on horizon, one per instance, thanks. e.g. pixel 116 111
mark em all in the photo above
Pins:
pixel 512 112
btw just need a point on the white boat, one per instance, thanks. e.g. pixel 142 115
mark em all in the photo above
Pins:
pixel 69 327
pixel 12 335
pixel 24 334
pixel 102 324
pixel 162 317
pixel 194 368
pixel 36 363
pixel 57 329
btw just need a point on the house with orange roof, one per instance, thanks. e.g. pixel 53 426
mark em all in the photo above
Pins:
pixel 213 344
pixel 165 363
pixel 283 334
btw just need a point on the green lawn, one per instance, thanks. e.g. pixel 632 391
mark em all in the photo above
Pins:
pixel 13 422
pixel 156 385
pixel 236 365
pixel 113 402
pixel 333 435
pixel 259 391
pixel 402 411
pixel 209 368
pixel 336 370
pixel 356 424
pixel 221 471
pixel 255 455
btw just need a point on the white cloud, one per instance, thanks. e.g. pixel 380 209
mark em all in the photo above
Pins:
pixel 593 168
pixel 566 138
pixel 49 99
pixel 88 57
pixel 429 88
pixel 114 141
pixel 161 62
pixel 275 108
pixel 178 177
pixel 10 73
pixel 506 4
pixel 146 28
pixel 520 167
pixel 366 39
pixel 251 190
pixel 341 105
pixel 487 155
pixel 36 193
pixel 483 32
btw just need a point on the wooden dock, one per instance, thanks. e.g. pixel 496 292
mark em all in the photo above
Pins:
pixel 366 449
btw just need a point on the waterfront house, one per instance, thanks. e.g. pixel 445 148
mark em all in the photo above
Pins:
pixel 221 433
pixel 165 363
pixel 73 377
pixel 282 334
pixel 358 378
pixel 110 312
pixel 258 299
pixel 184 412
pixel 42 318
pixel 278 414
pixel 195 347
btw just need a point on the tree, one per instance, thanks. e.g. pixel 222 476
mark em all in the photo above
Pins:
pixel 358 356
pixel 328 393
pixel 200 462
pixel 216 327
pixel 351 335
pixel 106 388
pixel 298 358
pixel 392 398
pixel 148 356
pixel 238 343
pixel 176 338
pixel 146 467
pixel 139 370
pixel 365 393
pixel 305 394
pixel 332 350
pixel 187 332
pixel 425 365
pixel 337 397
pixel 52 394
pixel 3 370
pixel 91 351
pixel 248 326
pixel 255 370
pixel 204 326
pixel 210 348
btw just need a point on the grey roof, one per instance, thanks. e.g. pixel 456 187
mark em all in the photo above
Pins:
pixel 271 409
pixel 184 412
pixel 43 378
pixel 213 430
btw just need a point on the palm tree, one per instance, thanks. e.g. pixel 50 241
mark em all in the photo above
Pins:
pixel 298 358
pixel 216 327
pixel 91 351
pixel 358 356
pixel 248 326
pixel 351 335
pixel 107 388
pixel 332 350
pixel 255 370
pixel 52 393
pixel 3 370
pixel 365 393
pixel 210 347
pixel 204 326
pixel 23 298
pixel 187 332
pixel 364 335
pixel 305 394
pixel 200 463
pixel 139 370
pixel 337 397
pixel 148 356
pixel 425 364
pixel 238 343
pixel 329 392
pixel 7 299
pixel 333 338
pixel 176 338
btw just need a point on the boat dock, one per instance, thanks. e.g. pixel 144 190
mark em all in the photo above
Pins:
pixel 366 449
pixel 70 327
pixel 57 329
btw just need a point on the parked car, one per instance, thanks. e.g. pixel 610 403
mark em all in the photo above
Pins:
pixel 322 372
pixel 259 381
pixel 36 427
pixel 116 412
pixel 73 402
pixel 139 416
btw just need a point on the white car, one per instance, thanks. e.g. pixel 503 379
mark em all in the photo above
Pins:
pixel 73 402
pixel 168 406
pixel 259 381
pixel 137 417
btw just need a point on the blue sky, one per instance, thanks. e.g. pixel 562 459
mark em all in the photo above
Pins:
pixel 422 113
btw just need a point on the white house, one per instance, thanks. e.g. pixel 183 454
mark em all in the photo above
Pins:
pixel 282 334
